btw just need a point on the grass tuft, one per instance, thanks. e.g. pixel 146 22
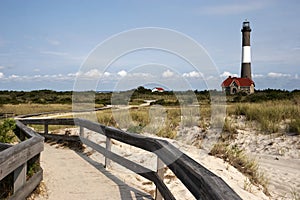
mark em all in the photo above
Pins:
pixel 294 126
pixel 268 114
pixel 238 159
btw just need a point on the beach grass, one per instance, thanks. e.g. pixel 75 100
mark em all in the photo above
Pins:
pixel 270 115
pixel 238 159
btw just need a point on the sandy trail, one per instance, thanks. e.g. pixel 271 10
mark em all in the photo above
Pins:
pixel 71 175
pixel 283 175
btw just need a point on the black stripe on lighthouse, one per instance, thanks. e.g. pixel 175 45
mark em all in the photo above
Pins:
pixel 246 51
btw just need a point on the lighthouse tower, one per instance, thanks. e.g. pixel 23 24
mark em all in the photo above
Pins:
pixel 246 51
pixel 233 85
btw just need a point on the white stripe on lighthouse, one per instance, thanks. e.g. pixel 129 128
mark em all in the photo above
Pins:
pixel 246 55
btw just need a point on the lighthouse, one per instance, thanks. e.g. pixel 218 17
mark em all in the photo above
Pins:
pixel 246 51
pixel 233 85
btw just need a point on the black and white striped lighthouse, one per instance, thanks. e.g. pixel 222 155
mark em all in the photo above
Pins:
pixel 246 51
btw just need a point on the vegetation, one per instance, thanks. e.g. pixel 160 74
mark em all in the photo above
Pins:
pixel 272 110
pixel 22 109
pixel 6 131
pixel 137 96
pixel 294 126
pixel 238 159
pixel 271 115
pixel 265 95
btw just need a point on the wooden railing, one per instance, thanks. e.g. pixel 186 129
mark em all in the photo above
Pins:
pixel 16 159
pixel 202 183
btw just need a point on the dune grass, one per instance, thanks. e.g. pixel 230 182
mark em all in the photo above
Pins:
pixel 238 159
pixel 22 109
pixel 157 120
pixel 270 114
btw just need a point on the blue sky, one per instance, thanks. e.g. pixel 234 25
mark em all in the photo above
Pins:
pixel 44 43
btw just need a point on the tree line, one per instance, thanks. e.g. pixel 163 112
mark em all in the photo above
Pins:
pixel 137 95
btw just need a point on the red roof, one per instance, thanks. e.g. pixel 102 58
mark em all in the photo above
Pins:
pixel 239 81
pixel 159 88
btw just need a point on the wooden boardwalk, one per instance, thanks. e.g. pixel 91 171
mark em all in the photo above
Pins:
pixel 71 175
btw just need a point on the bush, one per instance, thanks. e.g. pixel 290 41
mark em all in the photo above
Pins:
pixel 135 129
pixel 6 131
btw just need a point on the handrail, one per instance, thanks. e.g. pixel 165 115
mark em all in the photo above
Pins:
pixel 202 183
pixel 14 159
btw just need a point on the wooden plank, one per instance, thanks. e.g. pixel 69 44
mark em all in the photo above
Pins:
pixel 20 176
pixel 138 169
pixel 200 181
pixel 93 126
pixel 26 130
pixel 51 121
pixel 57 137
pixel 160 173
pixel 81 131
pixel 136 140
pixel 116 158
pixel 15 156
pixel 45 128
pixel 29 186
pixel 4 146
pixel 108 148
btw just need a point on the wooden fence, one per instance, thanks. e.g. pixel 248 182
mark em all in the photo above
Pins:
pixel 202 183
pixel 16 161
pixel 6 115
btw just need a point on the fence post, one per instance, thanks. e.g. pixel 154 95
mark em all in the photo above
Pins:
pixel 108 148
pixel 20 177
pixel 46 128
pixel 160 173
pixel 81 131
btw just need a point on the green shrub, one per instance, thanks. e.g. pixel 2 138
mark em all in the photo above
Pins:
pixel 135 129
pixel 6 131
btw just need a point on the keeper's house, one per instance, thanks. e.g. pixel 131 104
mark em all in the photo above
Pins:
pixel 233 85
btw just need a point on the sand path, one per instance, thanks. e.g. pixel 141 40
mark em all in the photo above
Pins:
pixel 283 175
pixel 71 175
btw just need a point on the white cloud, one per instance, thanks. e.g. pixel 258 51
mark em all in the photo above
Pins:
pixel 93 73
pixel 193 74
pixel 2 67
pixel 73 74
pixel 257 75
pixel 226 74
pixel 167 74
pixel 36 70
pixel 107 74
pixel 1 75
pixel 122 73
pixel 13 77
pixel 277 75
